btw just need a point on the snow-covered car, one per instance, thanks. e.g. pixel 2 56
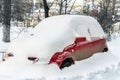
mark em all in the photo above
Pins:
pixel 60 39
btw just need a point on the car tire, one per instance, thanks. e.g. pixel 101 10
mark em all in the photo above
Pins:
pixel 66 63
pixel 105 50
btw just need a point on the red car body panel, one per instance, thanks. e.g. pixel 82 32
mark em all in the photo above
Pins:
pixel 79 50
pixel 59 57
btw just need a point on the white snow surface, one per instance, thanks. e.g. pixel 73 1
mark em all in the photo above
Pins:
pixel 101 66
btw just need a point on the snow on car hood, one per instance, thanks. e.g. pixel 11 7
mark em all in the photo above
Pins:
pixel 41 43
pixel 53 35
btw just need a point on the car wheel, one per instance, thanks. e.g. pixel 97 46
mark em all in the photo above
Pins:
pixel 105 50
pixel 66 63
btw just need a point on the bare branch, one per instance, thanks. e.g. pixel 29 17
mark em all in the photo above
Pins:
pixel 72 6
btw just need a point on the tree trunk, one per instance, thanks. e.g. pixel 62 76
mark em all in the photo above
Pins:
pixel 6 20
pixel 6 33
pixel 66 4
pixel 46 8
pixel 72 6
pixel 113 7
pixel 61 6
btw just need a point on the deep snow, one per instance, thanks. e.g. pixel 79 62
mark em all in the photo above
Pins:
pixel 101 66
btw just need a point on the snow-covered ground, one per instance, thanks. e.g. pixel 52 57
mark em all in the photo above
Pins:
pixel 101 66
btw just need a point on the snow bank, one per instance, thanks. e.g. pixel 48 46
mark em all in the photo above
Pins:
pixel 114 46
pixel 92 68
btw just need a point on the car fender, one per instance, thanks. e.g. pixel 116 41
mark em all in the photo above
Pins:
pixel 59 57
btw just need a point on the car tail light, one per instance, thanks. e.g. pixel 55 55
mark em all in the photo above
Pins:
pixel 10 55
pixel 34 59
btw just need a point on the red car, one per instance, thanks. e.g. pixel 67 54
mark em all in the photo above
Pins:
pixel 61 40
pixel 79 50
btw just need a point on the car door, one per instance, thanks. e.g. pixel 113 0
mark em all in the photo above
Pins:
pixel 96 45
pixel 82 50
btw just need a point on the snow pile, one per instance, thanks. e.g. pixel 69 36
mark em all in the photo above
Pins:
pixel 15 32
pixel 53 35
pixel 95 67
pixel 114 47
pixel 78 23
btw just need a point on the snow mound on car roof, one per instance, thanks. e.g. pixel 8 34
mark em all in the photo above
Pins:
pixel 53 35
pixel 81 25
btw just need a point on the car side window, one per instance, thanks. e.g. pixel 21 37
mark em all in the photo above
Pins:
pixel 80 39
